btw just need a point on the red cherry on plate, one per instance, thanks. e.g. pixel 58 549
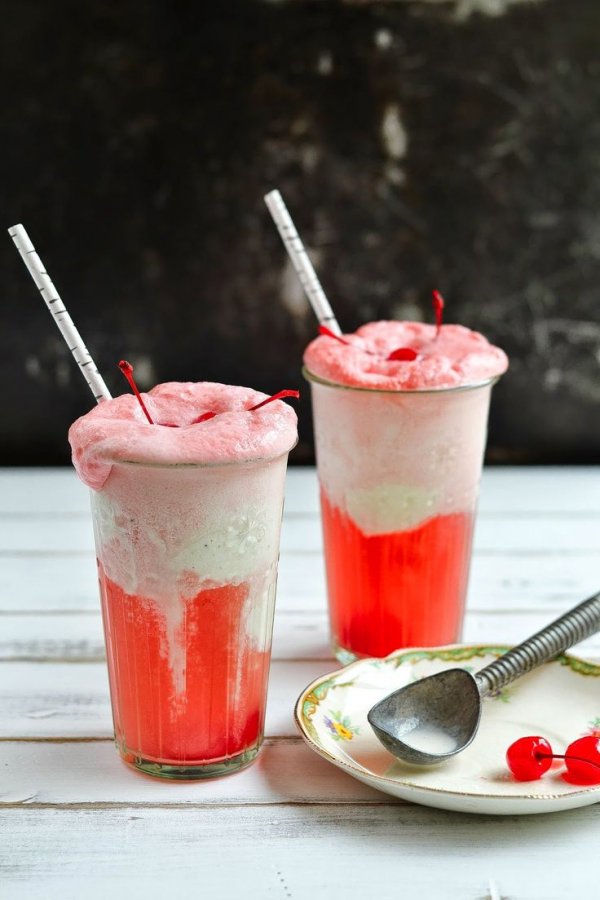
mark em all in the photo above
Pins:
pixel 582 759
pixel 529 757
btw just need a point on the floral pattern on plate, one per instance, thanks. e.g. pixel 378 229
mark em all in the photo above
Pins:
pixel 340 726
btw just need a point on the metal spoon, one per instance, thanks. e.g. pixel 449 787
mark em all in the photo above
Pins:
pixel 435 718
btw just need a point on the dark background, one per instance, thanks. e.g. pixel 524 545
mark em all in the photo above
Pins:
pixel 417 144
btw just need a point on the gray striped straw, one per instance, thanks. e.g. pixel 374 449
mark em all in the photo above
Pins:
pixel 57 308
pixel 301 262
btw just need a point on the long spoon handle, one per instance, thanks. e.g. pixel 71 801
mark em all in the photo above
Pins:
pixel 576 625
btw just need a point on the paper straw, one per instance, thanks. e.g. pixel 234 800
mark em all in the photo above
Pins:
pixel 59 313
pixel 494 892
pixel 301 262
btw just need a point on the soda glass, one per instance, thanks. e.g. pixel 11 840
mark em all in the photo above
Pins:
pixel 399 472
pixel 187 562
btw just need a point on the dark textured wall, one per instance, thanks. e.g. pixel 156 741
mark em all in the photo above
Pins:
pixel 418 144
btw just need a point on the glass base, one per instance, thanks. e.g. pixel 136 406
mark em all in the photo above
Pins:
pixel 189 771
pixel 343 655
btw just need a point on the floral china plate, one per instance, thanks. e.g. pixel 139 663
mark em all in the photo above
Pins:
pixel 560 701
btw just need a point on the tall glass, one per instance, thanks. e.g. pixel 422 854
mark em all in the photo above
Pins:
pixel 187 563
pixel 399 473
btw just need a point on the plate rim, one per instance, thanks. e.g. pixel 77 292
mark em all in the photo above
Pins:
pixel 573 662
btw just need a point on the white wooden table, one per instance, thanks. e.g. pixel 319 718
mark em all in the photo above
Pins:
pixel 76 823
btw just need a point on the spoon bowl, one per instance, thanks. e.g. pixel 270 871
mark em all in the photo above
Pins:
pixel 430 720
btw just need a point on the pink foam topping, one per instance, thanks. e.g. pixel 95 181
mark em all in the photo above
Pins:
pixel 458 356
pixel 117 430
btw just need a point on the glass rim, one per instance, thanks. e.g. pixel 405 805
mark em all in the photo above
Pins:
pixel 455 389
pixel 200 465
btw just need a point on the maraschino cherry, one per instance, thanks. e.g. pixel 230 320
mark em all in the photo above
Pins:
pixel 406 354
pixel 582 760
pixel 530 757
pixel 400 353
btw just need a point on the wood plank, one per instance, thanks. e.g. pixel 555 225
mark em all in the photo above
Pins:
pixel 64 637
pixel 297 636
pixel 69 583
pixel 548 534
pixel 296 803
pixel 58 699
pixel 500 628
pixel 498 581
pixel 57 492
pixel 48 583
pixel 536 489
pixel 552 582
pixel 295 851
pixel 286 771
pixel 556 489
pixel 50 700
pixel 41 491
pixel 79 638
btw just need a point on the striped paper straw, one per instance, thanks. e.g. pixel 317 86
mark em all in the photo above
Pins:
pixel 301 262
pixel 59 313
pixel 494 892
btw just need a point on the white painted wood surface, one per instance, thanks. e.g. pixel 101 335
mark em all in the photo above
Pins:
pixel 74 822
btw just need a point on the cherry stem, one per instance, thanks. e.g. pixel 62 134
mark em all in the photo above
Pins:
pixel 279 396
pixel 582 759
pixel 438 308
pixel 323 329
pixel 127 370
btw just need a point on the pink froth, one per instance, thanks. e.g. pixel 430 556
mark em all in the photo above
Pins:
pixel 457 357
pixel 116 430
